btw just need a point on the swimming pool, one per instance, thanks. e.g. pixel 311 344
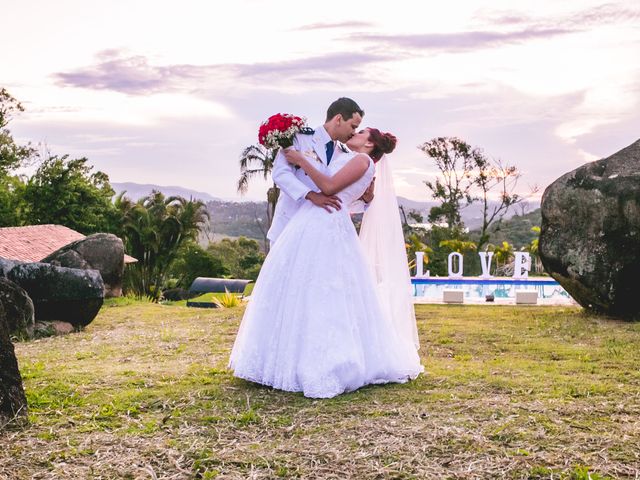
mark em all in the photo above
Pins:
pixel 477 288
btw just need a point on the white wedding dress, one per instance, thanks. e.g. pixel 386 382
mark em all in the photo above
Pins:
pixel 314 323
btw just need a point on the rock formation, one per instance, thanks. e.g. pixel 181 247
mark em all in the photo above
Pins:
pixel 590 233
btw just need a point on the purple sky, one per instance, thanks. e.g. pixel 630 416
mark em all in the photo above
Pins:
pixel 172 96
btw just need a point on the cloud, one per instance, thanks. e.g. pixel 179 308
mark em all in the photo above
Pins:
pixel 596 16
pixel 127 74
pixel 344 62
pixel 460 41
pixel 604 14
pixel 134 75
pixel 335 25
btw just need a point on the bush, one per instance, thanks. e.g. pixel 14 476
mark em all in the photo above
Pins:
pixel 177 294
pixel 228 300
pixel 241 257
pixel 194 261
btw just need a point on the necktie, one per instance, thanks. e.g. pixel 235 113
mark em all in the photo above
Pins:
pixel 329 147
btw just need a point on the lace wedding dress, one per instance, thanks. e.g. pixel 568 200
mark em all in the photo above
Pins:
pixel 314 323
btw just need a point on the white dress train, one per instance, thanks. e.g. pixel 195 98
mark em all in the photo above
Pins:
pixel 384 246
pixel 314 323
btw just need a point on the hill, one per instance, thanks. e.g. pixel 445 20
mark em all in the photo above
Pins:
pixel 246 218
pixel 471 215
pixel 135 191
pixel 236 219
pixel 515 230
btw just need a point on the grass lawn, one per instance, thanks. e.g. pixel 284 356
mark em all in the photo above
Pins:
pixel 509 392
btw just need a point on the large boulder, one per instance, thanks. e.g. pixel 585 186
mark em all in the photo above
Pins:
pixel 12 399
pixel 59 293
pixel 18 309
pixel 100 251
pixel 590 233
pixel 6 265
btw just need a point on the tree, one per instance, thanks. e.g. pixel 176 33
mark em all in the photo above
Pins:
pixel 413 245
pixel 489 175
pixel 66 192
pixel 455 159
pixel 469 176
pixel 241 257
pixel 12 155
pixel 258 160
pixel 502 255
pixel 11 201
pixel 194 261
pixel 532 248
pixel 154 229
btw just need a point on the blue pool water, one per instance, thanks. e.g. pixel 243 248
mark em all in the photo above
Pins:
pixel 479 288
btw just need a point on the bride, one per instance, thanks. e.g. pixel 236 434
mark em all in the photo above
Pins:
pixel 315 323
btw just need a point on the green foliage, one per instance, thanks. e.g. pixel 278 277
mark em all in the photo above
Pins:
pixel 66 192
pixel 227 300
pixel 256 160
pixel 12 155
pixel 414 244
pixel 533 246
pixel 438 242
pixel 241 257
pixel 154 229
pixel 238 219
pixel 194 261
pixel 517 230
pixel 11 201
pixel 62 191
pixel 468 176
pixel 455 159
pixel 457 245
pixel 502 255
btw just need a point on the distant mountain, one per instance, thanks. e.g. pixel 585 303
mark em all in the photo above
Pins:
pixel 471 215
pixel 237 219
pixel 246 218
pixel 135 191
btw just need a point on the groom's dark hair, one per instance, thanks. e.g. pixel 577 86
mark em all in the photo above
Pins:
pixel 345 107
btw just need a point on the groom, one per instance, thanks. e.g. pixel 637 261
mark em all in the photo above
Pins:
pixel 343 118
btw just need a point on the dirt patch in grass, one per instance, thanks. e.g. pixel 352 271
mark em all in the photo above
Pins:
pixel 508 392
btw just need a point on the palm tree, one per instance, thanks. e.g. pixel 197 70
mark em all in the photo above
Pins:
pixel 258 160
pixel 503 255
pixel 154 229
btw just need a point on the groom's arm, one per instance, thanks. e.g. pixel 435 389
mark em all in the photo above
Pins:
pixel 284 176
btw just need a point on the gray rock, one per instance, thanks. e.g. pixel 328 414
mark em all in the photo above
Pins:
pixel 59 293
pixel 49 329
pixel 6 265
pixel 100 251
pixel 590 233
pixel 18 308
pixel 13 402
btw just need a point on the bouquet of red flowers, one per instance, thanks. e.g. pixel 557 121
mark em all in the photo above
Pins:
pixel 279 130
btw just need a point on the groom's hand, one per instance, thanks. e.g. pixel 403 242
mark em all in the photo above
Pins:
pixel 367 196
pixel 324 201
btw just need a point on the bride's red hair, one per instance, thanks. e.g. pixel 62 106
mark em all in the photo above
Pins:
pixel 382 143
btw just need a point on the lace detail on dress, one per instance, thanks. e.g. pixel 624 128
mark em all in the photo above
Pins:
pixel 314 323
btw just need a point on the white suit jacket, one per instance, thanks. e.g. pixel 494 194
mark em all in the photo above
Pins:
pixel 294 184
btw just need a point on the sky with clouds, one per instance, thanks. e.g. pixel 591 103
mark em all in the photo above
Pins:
pixel 171 92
